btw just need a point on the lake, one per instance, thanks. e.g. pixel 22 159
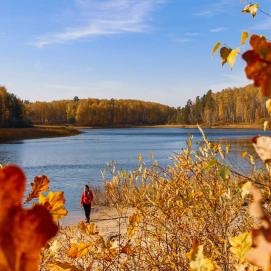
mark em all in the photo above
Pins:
pixel 71 162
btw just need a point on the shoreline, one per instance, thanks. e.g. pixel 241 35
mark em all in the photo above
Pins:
pixel 8 135
pixel 184 126
pixel 50 131
pixel 193 126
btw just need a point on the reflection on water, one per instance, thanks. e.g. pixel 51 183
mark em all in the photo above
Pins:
pixel 71 162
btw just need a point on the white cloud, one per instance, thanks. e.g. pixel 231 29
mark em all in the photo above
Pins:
pixel 192 34
pixel 182 40
pixel 218 29
pixel 264 25
pixel 204 13
pixel 104 17
pixel 216 8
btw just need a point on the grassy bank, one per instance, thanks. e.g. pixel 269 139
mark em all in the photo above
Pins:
pixel 11 134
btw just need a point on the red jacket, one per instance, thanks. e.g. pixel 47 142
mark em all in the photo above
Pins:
pixel 86 198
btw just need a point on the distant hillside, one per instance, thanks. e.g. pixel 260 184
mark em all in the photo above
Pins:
pixel 99 112
pixel 229 106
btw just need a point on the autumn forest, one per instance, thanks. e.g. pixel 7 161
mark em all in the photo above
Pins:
pixel 230 106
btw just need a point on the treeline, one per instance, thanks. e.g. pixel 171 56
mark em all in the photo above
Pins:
pixel 230 106
pixel 99 112
pixel 12 110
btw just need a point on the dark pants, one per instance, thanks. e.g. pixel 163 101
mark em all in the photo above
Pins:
pixel 87 208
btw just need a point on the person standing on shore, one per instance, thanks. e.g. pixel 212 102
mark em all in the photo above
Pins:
pixel 86 199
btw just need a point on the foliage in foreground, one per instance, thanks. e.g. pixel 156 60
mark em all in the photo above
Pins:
pixel 191 215
pixel 24 231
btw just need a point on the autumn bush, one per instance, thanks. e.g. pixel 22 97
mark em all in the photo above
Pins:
pixel 196 202
pixel 191 215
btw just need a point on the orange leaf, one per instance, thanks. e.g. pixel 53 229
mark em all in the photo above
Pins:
pixel 127 249
pixel 40 184
pixel 260 253
pixel 259 63
pixel 23 232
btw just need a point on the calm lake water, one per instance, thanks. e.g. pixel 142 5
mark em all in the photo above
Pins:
pixel 71 162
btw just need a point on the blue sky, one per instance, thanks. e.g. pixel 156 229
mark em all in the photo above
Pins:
pixel 156 50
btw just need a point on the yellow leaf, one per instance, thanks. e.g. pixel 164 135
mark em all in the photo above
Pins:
pixel 198 262
pixel 240 245
pixel 232 57
pixel 54 203
pixel 266 125
pixel 244 37
pixel 61 267
pixel 127 249
pixel 244 154
pixel 251 160
pixel 245 190
pixel 251 8
pixel 89 229
pixel 224 53
pixel 133 224
pixel 55 247
pixel 268 106
pixel 79 250
pixel 216 47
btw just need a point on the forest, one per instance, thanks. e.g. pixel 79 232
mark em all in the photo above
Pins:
pixel 99 112
pixel 12 110
pixel 229 106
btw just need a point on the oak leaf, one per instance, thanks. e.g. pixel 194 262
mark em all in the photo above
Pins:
pixel 89 229
pixel 40 184
pixel 23 232
pixel 54 203
pixel 79 250
pixel 259 63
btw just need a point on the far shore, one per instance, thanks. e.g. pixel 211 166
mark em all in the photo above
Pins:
pixel 49 131
pixel 217 126
pixel 15 134
pixel 206 126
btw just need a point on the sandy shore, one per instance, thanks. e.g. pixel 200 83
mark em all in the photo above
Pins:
pixel 13 134
pixel 105 218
